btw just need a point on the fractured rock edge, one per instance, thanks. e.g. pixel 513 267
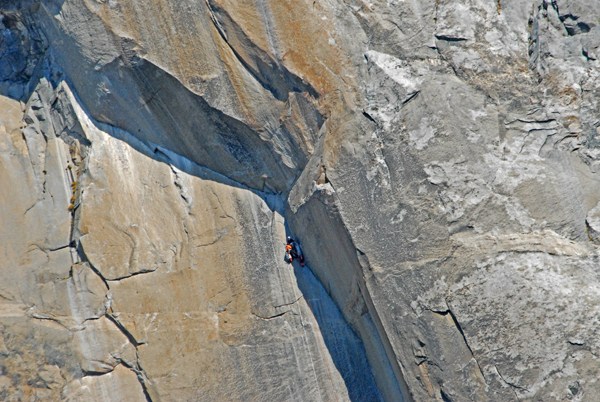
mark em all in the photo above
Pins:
pixel 79 249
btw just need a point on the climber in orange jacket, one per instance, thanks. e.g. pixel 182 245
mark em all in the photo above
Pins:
pixel 292 250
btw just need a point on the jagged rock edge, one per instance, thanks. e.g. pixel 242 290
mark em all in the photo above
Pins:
pixel 275 202
pixel 215 10
pixel 294 207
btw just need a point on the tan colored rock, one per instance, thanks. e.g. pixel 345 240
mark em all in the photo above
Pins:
pixel 202 301
pixel 182 284
pixel 120 384
pixel 439 159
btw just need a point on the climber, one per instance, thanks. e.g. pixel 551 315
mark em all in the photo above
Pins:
pixel 288 253
pixel 292 250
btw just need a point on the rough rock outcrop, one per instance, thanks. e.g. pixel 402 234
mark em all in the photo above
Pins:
pixel 438 161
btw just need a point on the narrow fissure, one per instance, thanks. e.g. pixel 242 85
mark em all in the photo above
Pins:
pixel 124 330
pixel 512 386
pixel 271 317
pixel 381 356
pixel 460 330
pixel 80 252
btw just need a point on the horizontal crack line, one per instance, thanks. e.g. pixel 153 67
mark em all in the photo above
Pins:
pixel 290 303
pixel 271 317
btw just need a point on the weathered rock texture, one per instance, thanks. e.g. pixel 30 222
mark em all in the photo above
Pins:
pixel 438 160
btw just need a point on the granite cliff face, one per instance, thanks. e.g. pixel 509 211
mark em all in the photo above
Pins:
pixel 439 162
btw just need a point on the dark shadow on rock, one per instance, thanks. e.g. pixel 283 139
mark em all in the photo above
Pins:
pixel 330 252
pixel 344 346
pixel 137 102
pixel 272 75
pixel 137 96
pixel 21 49
pixel 145 106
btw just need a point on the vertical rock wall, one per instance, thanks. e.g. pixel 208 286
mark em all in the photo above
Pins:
pixel 133 273
pixel 436 159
